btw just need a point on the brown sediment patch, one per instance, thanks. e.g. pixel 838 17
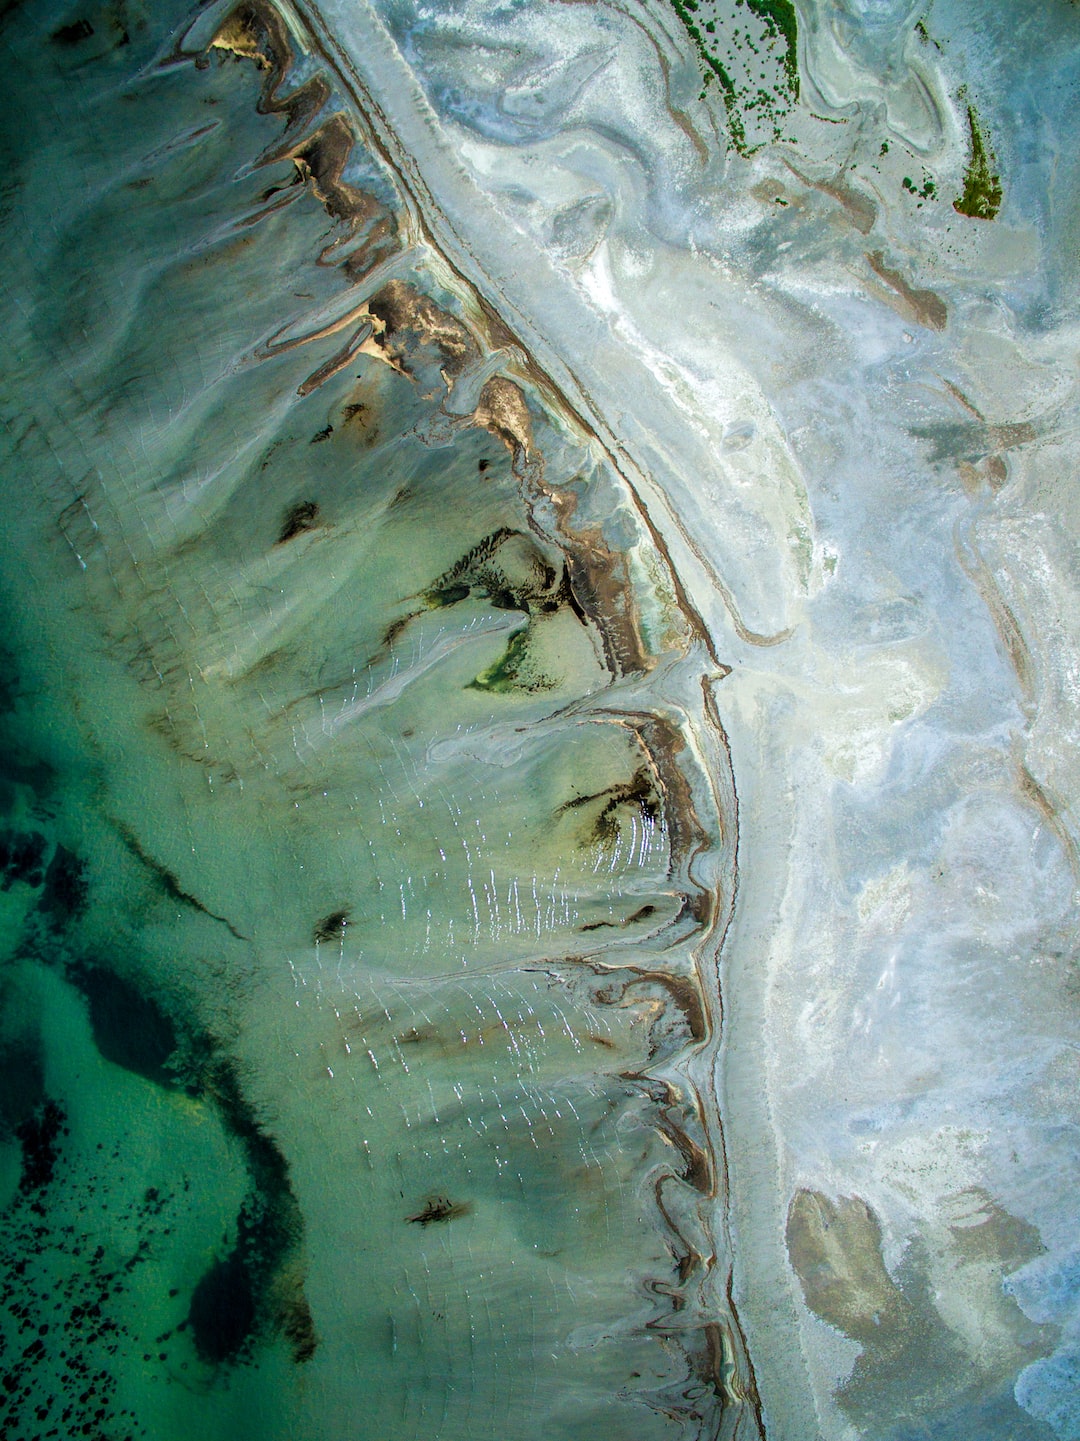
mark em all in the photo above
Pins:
pixel 997 472
pixel 683 991
pixel 255 31
pixel 321 160
pixel 991 470
pixel 913 1361
pixel 502 412
pixel 598 585
pixel 860 209
pixel 1010 436
pixel 982 1230
pixel 410 322
pixel 600 582
pixel 923 306
pixel 835 1250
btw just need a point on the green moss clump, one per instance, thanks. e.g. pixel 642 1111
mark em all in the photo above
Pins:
pixel 981 197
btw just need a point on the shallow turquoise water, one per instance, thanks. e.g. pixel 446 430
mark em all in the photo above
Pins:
pixel 356 839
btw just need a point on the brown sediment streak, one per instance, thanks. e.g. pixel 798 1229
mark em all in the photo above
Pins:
pixel 338 361
pixel 1037 796
pixel 688 1259
pixel 961 399
pixel 924 306
pixel 683 990
pixel 860 208
pixel 743 1383
pixel 680 117
pixel 697 1169
pixel 1006 624
pixel 598 582
pixel 255 31
pixel 664 743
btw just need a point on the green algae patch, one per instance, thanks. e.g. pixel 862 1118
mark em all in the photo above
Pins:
pixel 981 196
pixel 505 674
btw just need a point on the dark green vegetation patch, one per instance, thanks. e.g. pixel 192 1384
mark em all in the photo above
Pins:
pixel 751 48
pixel 981 196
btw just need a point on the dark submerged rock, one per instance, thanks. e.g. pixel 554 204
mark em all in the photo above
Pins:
pixel 22 858
pixel 63 899
pixel 130 1028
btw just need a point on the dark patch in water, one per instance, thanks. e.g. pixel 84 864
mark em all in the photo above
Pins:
pixel 64 898
pixel 19 767
pixel 38 1136
pixel 298 1327
pixel 331 927
pixel 236 1298
pixel 9 681
pixel 223 1312
pixel 168 881
pixel 22 858
pixel 250 1291
pixel 324 434
pixel 642 914
pixel 448 595
pixel 440 1208
pixel 639 793
pixel 300 517
pixel 232 1304
pixel 73 33
pixel 22 1082
pixel 129 1028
